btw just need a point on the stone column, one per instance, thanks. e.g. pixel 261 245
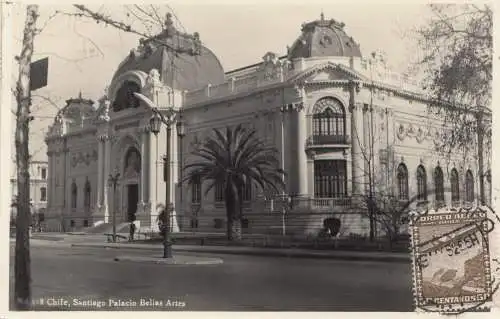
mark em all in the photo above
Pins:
pixel 50 184
pixel 301 128
pixel 142 195
pixel 100 175
pixel 283 119
pixel 366 145
pixel 107 171
pixel 66 186
pixel 357 139
pixel 174 175
pixel 144 207
pixel 156 176
pixel 52 179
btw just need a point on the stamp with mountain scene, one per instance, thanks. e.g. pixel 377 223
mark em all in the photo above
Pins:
pixel 451 262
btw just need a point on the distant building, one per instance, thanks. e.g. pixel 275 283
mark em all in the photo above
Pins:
pixel 38 186
pixel 323 105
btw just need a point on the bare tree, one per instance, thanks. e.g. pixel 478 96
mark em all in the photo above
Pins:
pixel 147 16
pixel 145 21
pixel 23 98
pixel 457 61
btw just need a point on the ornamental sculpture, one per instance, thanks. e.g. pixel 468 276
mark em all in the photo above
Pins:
pixel 153 85
pixel 83 157
pixel 272 68
pixel 420 133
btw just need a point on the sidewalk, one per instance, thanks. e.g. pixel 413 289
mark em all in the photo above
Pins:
pixel 98 241
pixel 255 251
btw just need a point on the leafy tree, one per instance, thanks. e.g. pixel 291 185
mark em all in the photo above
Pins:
pixel 457 62
pixel 235 158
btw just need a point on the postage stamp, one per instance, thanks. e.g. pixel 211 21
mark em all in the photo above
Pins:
pixel 451 261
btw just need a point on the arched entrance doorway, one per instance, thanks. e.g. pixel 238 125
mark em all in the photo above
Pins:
pixel 131 177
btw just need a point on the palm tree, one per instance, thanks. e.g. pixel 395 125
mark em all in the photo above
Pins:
pixel 234 158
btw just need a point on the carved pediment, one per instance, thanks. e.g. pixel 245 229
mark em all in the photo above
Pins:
pixel 327 72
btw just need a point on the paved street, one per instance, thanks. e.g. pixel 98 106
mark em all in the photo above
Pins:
pixel 241 283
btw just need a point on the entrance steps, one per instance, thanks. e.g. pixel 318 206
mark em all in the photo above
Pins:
pixel 107 228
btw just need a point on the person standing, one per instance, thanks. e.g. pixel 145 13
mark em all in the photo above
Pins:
pixel 131 231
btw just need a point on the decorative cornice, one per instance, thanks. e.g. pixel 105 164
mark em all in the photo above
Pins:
pixel 326 83
pixel 397 91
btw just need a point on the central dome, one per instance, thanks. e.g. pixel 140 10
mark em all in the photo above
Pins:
pixel 193 65
pixel 323 38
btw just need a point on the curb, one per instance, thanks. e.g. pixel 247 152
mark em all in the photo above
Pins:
pixel 178 260
pixel 266 253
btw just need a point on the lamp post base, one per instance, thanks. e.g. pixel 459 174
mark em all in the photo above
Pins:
pixel 167 250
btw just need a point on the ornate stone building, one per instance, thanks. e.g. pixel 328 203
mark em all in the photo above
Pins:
pixel 323 105
pixel 38 186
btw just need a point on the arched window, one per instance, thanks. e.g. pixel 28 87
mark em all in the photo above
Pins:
pixel 125 97
pixel 132 165
pixel 402 182
pixel 469 186
pixel 87 192
pixel 421 183
pixel 328 121
pixel 455 185
pixel 196 190
pixel 439 184
pixel 43 194
pixel 74 194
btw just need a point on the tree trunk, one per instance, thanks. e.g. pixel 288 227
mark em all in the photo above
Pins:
pixel 236 229
pixel 23 95
pixel 480 157
pixel 372 217
pixel 231 214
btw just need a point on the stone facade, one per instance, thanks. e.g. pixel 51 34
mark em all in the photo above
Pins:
pixel 325 114
pixel 38 186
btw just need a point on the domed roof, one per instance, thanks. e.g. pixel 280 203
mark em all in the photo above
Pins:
pixel 77 110
pixel 324 38
pixel 194 65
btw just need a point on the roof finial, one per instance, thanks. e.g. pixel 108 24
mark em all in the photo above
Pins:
pixel 322 15
pixel 168 20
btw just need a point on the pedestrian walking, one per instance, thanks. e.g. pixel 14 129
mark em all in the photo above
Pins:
pixel 131 231
pixel 162 219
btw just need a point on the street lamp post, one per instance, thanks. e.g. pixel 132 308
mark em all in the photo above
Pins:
pixel 155 122
pixel 112 182
pixel 181 132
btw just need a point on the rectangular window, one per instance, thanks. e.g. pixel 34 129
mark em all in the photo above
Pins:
pixel 196 190
pixel 44 173
pixel 247 192
pixel 43 194
pixel 330 179
pixel 219 192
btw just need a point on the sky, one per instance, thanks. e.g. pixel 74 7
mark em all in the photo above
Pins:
pixel 84 55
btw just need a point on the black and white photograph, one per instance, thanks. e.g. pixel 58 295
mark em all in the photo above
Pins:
pixel 249 156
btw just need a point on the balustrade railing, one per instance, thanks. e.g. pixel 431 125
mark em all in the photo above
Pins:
pixel 328 140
